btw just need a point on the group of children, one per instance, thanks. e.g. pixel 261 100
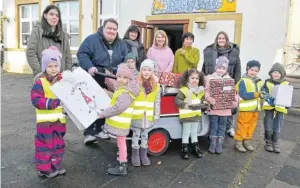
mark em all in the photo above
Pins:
pixel 135 105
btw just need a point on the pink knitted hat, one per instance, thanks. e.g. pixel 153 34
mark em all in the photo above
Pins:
pixel 123 70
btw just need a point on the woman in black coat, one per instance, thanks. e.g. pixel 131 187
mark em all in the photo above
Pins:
pixel 132 39
pixel 223 47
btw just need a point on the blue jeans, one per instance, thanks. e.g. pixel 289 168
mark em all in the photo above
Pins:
pixel 273 121
pixel 217 125
pixel 230 122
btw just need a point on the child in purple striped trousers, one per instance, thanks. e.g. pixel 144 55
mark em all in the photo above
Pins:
pixel 51 121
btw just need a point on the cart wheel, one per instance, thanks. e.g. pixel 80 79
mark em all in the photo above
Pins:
pixel 158 142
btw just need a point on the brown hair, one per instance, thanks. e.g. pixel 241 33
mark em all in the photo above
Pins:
pixel 152 80
pixel 112 20
pixel 226 38
pixel 164 34
pixel 183 80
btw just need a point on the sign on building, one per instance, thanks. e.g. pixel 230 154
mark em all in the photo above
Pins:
pixel 192 6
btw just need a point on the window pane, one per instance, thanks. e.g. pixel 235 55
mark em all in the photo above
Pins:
pixel 63 9
pixel 106 7
pixel 35 11
pixel 25 10
pixel 25 39
pixel 25 27
pixel 74 26
pixel 74 8
pixel 74 41
pixel 64 24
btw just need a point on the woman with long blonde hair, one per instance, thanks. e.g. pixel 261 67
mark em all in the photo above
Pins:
pixel 161 53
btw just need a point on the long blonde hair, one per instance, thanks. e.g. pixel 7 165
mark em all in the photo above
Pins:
pixel 151 80
pixel 164 34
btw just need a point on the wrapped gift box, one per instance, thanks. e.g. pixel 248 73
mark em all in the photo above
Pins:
pixel 83 98
pixel 168 79
pixel 223 91
pixel 283 95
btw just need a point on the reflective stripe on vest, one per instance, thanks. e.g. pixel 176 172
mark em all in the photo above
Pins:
pixel 252 104
pixel 49 115
pixel 267 106
pixel 123 120
pixel 145 103
pixel 187 113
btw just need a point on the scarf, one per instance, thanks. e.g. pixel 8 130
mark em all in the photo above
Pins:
pixel 147 86
pixel 193 89
pixel 134 46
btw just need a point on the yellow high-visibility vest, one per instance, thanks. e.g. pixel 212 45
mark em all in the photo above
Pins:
pixel 123 120
pixel 145 103
pixel 49 115
pixel 267 106
pixel 187 113
pixel 252 104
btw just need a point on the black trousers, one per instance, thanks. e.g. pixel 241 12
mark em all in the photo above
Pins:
pixel 96 127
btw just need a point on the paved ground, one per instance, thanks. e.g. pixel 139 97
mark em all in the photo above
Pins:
pixel 86 165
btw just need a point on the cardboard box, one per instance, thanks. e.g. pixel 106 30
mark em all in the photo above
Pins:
pixel 83 98
pixel 283 95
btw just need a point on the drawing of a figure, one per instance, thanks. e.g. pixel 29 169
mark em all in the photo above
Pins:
pixel 90 102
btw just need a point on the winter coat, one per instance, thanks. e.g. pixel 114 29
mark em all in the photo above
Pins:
pixel 144 123
pixel 189 59
pixel 163 57
pixel 232 54
pixel 93 52
pixel 122 103
pixel 38 43
pixel 211 100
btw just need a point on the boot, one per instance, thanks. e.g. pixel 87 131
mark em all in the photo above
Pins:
pixel 119 170
pixel 239 146
pixel 219 146
pixel 135 157
pixel 144 157
pixel 269 143
pixel 51 175
pixel 275 139
pixel 185 151
pixel 213 144
pixel 196 150
pixel 248 145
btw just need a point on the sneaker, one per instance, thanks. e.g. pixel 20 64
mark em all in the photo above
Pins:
pixel 231 132
pixel 248 146
pixel 61 171
pixel 89 139
pixel 102 135
pixel 51 175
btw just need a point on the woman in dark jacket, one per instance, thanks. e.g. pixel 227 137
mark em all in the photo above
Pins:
pixel 45 34
pixel 132 39
pixel 222 47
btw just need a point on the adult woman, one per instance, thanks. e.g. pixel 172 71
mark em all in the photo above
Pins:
pixel 222 47
pixel 186 57
pixel 45 34
pixel 161 53
pixel 132 39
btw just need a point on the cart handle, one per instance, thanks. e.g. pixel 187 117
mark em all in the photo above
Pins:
pixel 106 75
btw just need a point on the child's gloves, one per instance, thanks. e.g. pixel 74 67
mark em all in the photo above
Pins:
pixel 256 95
pixel 198 107
pixel 186 106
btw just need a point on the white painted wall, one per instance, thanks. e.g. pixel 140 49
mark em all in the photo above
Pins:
pixel 263 31
pixel 9 27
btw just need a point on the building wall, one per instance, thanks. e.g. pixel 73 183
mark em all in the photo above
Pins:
pixel 262 38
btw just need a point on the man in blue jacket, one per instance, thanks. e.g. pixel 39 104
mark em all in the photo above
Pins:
pixel 101 52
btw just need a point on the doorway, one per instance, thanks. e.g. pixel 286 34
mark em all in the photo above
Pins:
pixel 174 33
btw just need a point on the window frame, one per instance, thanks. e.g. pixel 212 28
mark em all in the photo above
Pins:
pixel 69 19
pixel 99 16
pixel 19 3
pixel 24 20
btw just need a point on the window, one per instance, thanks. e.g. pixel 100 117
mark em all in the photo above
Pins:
pixel 29 14
pixel 108 9
pixel 70 20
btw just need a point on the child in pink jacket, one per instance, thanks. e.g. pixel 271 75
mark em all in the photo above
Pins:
pixel 218 118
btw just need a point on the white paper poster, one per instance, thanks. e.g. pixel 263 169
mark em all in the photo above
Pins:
pixel 83 98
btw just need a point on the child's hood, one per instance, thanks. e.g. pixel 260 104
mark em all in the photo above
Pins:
pixel 278 67
pixel 133 87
